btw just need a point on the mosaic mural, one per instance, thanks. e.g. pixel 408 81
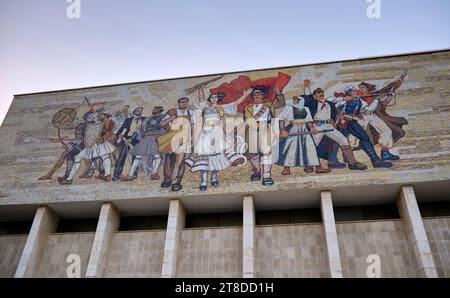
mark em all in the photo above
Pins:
pixel 362 122
pixel 309 128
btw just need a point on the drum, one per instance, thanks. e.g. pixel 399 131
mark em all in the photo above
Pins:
pixel 64 116
pixel 165 141
pixel 92 133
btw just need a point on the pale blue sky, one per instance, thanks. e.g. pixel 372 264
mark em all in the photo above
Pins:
pixel 118 41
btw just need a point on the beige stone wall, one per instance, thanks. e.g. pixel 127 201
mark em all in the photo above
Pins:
pixel 135 254
pixel 290 251
pixel 423 100
pixel 438 233
pixel 11 247
pixel 215 252
pixel 357 240
pixel 59 246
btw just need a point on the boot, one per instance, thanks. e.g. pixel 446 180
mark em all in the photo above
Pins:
pixel 376 161
pixel 203 180
pixel 321 170
pixel 256 176
pixel 267 181
pixel 381 164
pixel 309 170
pixel 106 178
pixel 64 181
pixel 333 162
pixel 127 178
pixel 203 186
pixel 214 181
pixel 286 171
pixel 166 184
pixel 336 165
pixel 176 187
pixel 46 177
pixel 352 163
pixel 386 155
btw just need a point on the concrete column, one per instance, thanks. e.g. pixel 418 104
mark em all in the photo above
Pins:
pixel 410 213
pixel 45 222
pixel 248 253
pixel 175 225
pixel 108 223
pixel 329 231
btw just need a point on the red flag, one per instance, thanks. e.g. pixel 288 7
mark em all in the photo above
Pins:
pixel 235 89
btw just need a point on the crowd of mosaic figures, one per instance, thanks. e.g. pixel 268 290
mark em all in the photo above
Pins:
pixel 312 128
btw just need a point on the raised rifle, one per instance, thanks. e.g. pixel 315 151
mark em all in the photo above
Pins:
pixel 201 85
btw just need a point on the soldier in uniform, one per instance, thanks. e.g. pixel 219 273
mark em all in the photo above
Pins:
pixel 260 113
pixel 385 139
pixel 352 108
pixel 324 114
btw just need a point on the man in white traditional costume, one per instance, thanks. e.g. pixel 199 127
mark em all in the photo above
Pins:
pixel 99 139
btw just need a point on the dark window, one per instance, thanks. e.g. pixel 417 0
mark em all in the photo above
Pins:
pixel 288 216
pixel 214 220
pixel 272 217
pixel 434 209
pixel 358 213
pixel 77 225
pixel 381 212
pixel 230 219
pixel 18 227
pixel 137 223
pixel 305 215
pixel 348 214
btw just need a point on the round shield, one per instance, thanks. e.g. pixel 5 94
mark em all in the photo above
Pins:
pixel 64 116
pixel 92 133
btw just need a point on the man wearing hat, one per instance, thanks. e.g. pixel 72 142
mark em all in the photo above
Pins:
pixel 352 108
pixel 260 113
pixel 385 140
pixel 146 151
pixel 102 148
pixel 324 114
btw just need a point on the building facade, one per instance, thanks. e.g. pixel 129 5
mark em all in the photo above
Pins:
pixel 337 169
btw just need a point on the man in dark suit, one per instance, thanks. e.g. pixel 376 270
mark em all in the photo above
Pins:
pixel 127 139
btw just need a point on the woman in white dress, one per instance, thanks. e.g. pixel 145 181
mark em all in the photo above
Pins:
pixel 297 147
pixel 210 149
